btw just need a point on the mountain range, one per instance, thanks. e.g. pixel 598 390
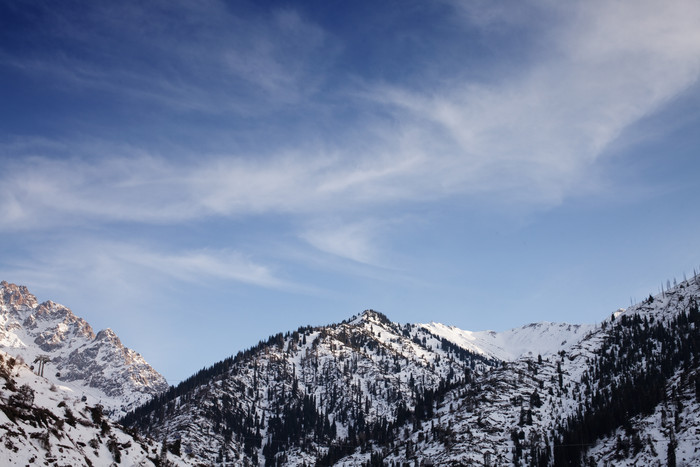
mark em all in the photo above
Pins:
pixel 369 391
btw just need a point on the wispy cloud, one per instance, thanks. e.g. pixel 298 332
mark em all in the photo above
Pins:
pixel 143 188
pixel 110 265
pixel 532 137
pixel 538 132
pixel 354 241
pixel 230 62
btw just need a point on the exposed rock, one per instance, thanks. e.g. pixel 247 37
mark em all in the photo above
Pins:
pixel 114 375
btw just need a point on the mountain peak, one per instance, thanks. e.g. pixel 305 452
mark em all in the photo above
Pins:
pixel 371 316
pixel 107 334
pixel 528 340
pixel 16 295
pixel 79 358
pixel 367 391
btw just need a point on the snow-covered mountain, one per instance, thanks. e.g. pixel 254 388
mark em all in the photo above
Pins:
pixel 95 365
pixel 526 341
pixel 295 392
pixel 368 391
pixel 46 424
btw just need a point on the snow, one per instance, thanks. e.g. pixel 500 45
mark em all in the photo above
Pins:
pixel 530 340
pixel 369 365
pixel 41 433
pixel 98 366
pixel 367 360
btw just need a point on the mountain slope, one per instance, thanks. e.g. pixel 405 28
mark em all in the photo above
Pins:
pixel 45 424
pixel 370 391
pixel 310 395
pixel 98 365
pixel 530 340
pixel 627 393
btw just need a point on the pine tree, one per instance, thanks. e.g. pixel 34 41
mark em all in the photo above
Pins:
pixel 671 453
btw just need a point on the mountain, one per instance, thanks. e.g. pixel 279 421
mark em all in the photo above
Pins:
pixel 95 365
pixel 366 391
pixel 626 393
pixel 45 424
pixel 369 391
pixel 297 392
pixel 530 340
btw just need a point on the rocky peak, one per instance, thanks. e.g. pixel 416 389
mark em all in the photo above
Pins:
pixel 13 295
pixel 372 317
pixel 58 321
pixel 109 336
pixel 118 377
pixel 372 314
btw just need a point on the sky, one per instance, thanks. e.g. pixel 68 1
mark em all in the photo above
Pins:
pixel 199 175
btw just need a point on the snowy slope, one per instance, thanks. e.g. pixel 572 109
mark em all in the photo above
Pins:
pixel 368 390
pixel 45 424
pixel 335 381
pixel 626 393
pixel 530 340
pixel 97 365
pixel 673 426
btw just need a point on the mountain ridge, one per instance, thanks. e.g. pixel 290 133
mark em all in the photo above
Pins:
pixel 530 339
pixel 369 391
pixel 373 392
pixel 97 365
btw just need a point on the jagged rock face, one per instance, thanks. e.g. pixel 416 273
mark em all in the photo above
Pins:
pixel 17 296
pixel 60 326
pixel 114 375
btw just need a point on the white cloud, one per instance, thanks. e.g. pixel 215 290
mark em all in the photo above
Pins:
pixel 276 57
pixel 204 265
pixel 354 241
pixel 538 132
pixel 111 266
pixel 149 189
pixel 532 137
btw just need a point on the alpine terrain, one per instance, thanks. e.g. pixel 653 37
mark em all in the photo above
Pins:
pixel 46 424
pixel 369 391
pixel 366 391
pixel 65 349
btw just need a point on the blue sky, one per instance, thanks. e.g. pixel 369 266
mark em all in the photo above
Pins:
pixel 200 175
